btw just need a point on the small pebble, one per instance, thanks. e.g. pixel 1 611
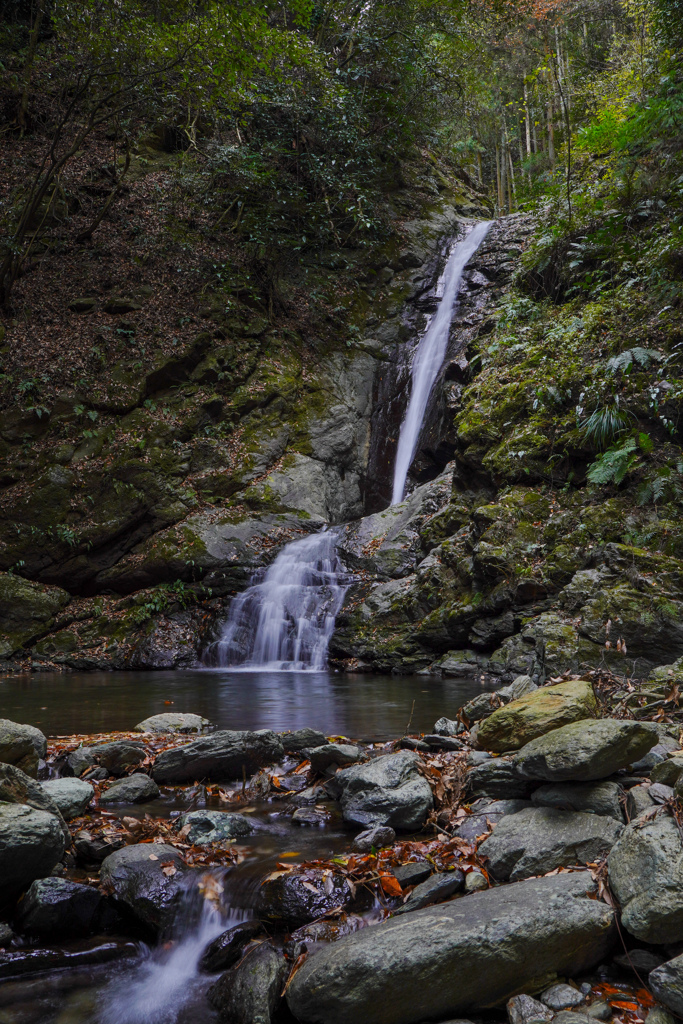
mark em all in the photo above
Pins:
pixel 561 997
pixel 475 881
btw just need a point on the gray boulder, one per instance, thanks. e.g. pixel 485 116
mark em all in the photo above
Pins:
pixel 60 908
pixel 173 722
pixel 21 745
pixel 140 878
pixel 540 839
pixel 301 739
pixel 388 790
pixel 591 797
pixel 585 751
pixel 498 778
pixel 444 961
pixel 436 889
pixel 31 845
pixel 668 771
pixel 223 755
pixel 118 758
pixel 249 993
pixel 447 727
pixel 205 827
pixel 16 787
pixel 638 801
pixel 134 789
pixel 71 796
pixel 666 983
pixel 329 754
pixel 646 876
pixel 525 1010
pixel 376 837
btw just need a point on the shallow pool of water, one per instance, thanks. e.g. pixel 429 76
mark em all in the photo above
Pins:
pixel 363 707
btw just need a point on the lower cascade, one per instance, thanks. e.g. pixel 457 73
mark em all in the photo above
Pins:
pixel 285 620
pixel 430 354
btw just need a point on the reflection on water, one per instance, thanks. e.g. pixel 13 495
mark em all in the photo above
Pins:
pixel 362 707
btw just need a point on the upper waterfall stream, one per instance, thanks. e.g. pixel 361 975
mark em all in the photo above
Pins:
pixel 430 354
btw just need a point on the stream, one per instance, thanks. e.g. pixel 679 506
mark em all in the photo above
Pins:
pixel 266 671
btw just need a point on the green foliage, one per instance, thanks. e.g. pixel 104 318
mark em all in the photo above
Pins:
pixel 604 424
pixel 612 466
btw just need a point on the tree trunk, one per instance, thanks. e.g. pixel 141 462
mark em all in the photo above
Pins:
pixel 28 68
pixel 498 181
pixel 527 120
pixel 551 133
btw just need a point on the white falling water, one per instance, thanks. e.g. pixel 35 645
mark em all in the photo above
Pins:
pixel 285 621
pixel 168 980
pixel 430 354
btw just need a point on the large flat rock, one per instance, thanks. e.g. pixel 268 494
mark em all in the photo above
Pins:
pixel 537 713
pixel 585 751
pixel 223 755
pixel 441 962
pixel 540 839
pixel 646 876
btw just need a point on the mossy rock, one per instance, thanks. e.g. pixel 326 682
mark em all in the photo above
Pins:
pixel 27 611
pixel 536 714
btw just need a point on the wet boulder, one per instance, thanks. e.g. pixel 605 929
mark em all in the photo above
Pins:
pixel 591 797
pixel 223 755
pixel 173 722
pixel 301 739
pixel 442 962
pixel 297 898
pixel 646 876
pixel 250 992
pixel 585 751
pixel 133 789
pixel 60 908
pixel 31 844
pixel 71 796
pixel 202 827
pixel 388 790
pixel 22 746
pixel 329 754
pixel 666 982
pixel 227 949
pixel 145 879
pixel 537 713
pixel 540 839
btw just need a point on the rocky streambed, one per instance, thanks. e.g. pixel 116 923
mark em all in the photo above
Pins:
pixel 522 861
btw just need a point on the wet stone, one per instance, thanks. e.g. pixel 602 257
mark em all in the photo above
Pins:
pixel 375 838
pixel 60 908
pixel 298 899
pixel 250 992
pixel 436 742
pixel 666 982
pixel 641 960
pixel 311 816
pixel 227 949
pixel 213 826
pixel 526 1010
pixel 72 796
pixel 599 1010
pixel 436 889
pixel 173 722
pixel 413 872
pixel 301 739
pixel 92 849
pixel 140 878
pixel 333 754
pixel 447 727
pixel 135 789
pixel 561 997
pixel 388 790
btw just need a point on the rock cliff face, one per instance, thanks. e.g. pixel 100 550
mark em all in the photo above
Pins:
pixel 123 550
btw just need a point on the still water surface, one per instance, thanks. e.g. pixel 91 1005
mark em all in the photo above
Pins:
pixel 362 707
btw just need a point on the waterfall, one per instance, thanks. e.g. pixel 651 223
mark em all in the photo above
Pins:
pixel 285 620
pixel 430 354
pixel 169 980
